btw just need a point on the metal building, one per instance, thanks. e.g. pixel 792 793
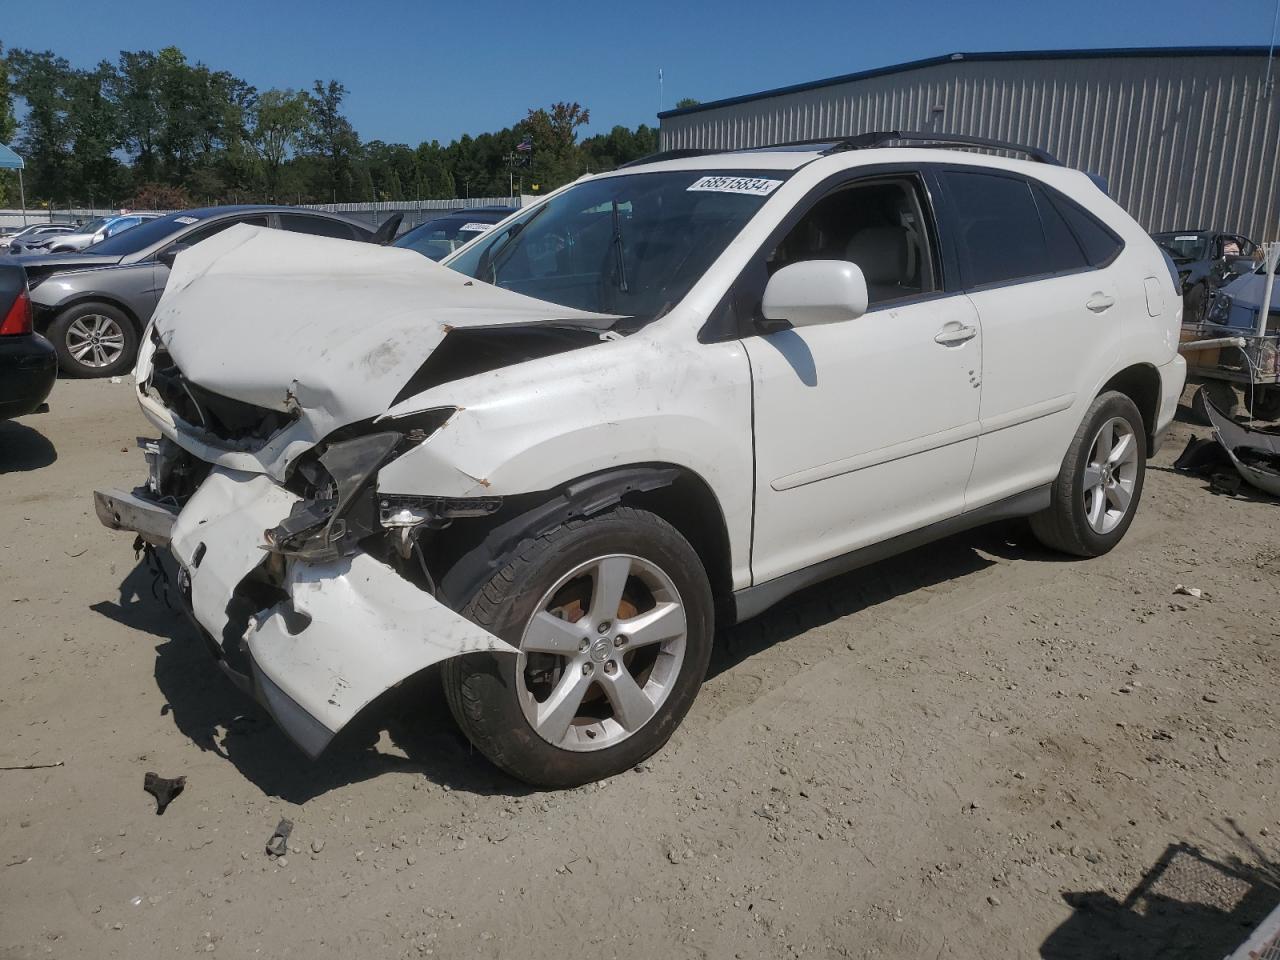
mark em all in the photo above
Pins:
pixel 1186 137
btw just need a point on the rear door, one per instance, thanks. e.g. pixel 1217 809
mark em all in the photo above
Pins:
pixel 1037 269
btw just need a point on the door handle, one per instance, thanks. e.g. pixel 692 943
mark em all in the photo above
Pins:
pixel 1100 303
pixel 955 333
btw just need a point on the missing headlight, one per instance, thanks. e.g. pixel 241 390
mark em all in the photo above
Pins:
pixel 340 505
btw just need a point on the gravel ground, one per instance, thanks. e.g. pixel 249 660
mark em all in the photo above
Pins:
pixel 976 750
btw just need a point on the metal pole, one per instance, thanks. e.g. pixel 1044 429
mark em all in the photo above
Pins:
pixel 22 193
pixel 1264 309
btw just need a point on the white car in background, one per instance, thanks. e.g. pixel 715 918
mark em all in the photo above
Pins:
pixel 40 231
pixel 657 401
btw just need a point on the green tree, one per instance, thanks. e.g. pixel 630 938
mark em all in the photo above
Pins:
pixel 41 79
pixel 554 129
pixel 331 138
pixel 278 129
pixel 686 102
pixel 8 128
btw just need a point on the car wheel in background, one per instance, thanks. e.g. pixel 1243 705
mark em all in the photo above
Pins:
pixel 1100 482
pixel 613 618
pixel 94 340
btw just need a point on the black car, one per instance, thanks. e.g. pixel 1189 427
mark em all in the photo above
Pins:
pixel 438 238
pixel 1205 259
pixel 104 295
pixel 28 364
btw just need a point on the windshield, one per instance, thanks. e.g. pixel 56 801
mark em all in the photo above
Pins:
pixel 437 239
pixel 93 226
pixel 1184 246
pixel 143 235
pixel 631 245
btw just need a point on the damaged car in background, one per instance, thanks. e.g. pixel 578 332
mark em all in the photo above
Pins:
pixel 649 404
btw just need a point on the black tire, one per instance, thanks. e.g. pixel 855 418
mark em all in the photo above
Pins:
pixel 64 329
pixel 1064 525
pixel 1266 403
pixel 482 688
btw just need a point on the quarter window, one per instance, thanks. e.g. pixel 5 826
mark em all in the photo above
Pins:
pixel 1065 253
pixel 1101 246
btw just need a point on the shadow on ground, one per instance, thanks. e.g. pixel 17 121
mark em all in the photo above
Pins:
pixel 208 708
pixel 23 448
pixel 1188 906
pixel 946 560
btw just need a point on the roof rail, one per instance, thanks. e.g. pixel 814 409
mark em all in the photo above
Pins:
pixel 668 155
pixel 879 138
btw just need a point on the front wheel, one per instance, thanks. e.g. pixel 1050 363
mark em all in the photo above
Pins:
pixel 613 619
pixel 1100 482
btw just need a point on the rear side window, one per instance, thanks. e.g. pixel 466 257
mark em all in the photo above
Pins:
pixel 317 226
pixel 998 228
pixel 1101 246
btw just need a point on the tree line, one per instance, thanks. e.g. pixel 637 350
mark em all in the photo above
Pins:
pixel 151 129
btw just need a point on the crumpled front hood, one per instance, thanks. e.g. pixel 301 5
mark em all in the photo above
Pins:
pixel 327 329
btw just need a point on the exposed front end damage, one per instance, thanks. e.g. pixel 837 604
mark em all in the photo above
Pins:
pixel 313 640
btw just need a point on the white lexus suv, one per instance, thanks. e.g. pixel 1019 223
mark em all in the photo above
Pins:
pixel 657 401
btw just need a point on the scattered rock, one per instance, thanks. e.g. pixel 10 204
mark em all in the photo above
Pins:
pixel 993 900
pixel 317 845
pixel 1188 591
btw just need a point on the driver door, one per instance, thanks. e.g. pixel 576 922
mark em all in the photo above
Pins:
pixel 864 429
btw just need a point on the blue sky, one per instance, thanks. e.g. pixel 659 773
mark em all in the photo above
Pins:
pixel 428 70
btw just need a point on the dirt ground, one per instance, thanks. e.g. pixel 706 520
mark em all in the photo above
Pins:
pixel 976 750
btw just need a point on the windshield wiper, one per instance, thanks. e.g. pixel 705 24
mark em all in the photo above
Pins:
pixel 619 259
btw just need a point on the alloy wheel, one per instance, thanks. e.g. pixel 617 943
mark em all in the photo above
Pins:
pixel 1110 475
pixel 95 340
pixel 601 653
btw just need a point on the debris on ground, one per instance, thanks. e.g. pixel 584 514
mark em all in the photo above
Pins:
pixel 35 766
pixel 278 844
pixel 1188 591
pixel 165 790
pixel 1254 451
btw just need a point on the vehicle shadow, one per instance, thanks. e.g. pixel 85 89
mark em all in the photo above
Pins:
pixel 1187 905
pixel 209 709
pixel 23 448
pixel 949 559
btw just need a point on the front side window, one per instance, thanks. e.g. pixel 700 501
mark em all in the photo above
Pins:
pixel 878 225
pixel 632 244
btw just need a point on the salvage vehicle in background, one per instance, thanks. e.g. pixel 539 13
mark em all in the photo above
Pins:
pixel 438 238
pixel 28 365
pixel 95 231
pixel 43 231
pixel 1205 259
pixel 100 299
pixel 652 402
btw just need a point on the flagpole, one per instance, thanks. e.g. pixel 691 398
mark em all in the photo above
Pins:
pixel 659 89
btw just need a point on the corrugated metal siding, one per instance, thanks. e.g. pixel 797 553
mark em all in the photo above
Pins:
pixel 1182 142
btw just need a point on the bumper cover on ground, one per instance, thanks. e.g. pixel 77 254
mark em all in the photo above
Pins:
pixel 347 630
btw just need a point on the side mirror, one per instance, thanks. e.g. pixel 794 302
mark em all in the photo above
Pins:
pixel 816 291
pixel 170 253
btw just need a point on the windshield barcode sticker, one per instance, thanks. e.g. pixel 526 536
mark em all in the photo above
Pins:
pixel 754 186
pixel 475 227
pixel 186 220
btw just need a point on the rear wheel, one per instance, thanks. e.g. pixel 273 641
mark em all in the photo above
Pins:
pixel 94 340
pixel 613 620
pixel 1100 481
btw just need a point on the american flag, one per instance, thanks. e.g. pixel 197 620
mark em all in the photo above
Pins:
pixel 525 145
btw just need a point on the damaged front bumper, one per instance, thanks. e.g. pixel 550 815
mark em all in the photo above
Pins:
pixel 333 636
